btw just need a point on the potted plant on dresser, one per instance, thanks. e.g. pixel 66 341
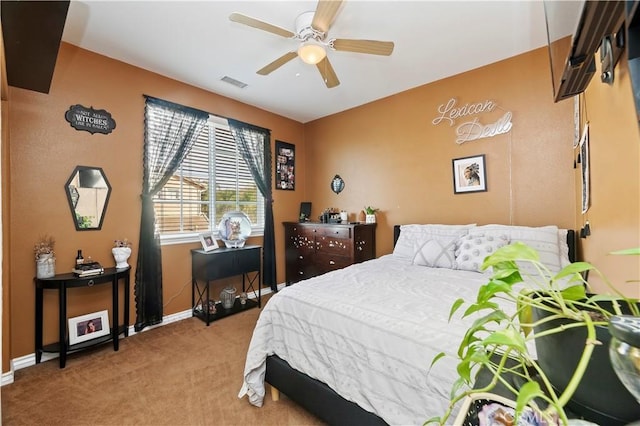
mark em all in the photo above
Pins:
pixel 370 214
pixel 572 374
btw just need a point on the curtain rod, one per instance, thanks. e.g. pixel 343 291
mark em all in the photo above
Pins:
pixel 199 111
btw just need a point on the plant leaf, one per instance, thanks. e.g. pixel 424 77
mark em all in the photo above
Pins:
pixel 575 292
pixel 436 358
pixel 508 337
pixel 573 268
pixel 479 307
pixel 528 391
pixel 493 287
pixel 633 251
pixel 511 253
pixel 456 305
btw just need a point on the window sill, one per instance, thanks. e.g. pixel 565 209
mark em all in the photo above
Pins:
pixel 189 238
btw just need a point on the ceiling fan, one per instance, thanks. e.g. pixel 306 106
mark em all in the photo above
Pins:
pixel 311 32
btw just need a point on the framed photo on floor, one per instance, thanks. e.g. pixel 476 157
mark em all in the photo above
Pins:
pixel 285 166
pixel 469 174
pixel 88 327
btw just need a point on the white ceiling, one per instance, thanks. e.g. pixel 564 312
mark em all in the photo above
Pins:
pixel 194 42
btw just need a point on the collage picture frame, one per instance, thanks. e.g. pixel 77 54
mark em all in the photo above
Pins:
pixel 285 166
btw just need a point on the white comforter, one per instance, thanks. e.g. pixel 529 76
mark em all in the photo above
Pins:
pixel 370 332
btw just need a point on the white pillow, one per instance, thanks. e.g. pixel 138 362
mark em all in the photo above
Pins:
pixel 436 254
pixel 564 247
pixel 543 239
pixel 412 237
pixel 473 248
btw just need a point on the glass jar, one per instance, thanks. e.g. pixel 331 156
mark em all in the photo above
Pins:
pixel 228 297
pixel 624 351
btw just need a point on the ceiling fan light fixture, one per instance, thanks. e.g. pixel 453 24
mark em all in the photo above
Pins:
pixel 311 53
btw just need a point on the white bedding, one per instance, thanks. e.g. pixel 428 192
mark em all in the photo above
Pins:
pixel 369 331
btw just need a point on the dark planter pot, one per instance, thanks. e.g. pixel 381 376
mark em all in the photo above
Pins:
pixel 601 397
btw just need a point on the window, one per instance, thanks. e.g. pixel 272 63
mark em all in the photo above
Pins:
pixel 212 180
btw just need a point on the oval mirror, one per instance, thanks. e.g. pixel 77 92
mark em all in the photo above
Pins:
pixel 337 184
pixel 88 193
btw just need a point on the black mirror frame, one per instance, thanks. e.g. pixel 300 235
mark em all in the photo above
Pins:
pixel 72 207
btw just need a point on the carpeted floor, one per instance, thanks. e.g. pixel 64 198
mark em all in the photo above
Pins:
pixel 183 373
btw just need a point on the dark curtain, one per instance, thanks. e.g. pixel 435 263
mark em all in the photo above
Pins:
pixel 170 131
pixel 254 144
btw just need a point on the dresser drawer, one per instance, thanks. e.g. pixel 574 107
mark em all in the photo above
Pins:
pixel 335 231
pixel 334 245
pixel 326 262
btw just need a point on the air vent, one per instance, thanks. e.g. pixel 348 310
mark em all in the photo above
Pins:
pixel 233 81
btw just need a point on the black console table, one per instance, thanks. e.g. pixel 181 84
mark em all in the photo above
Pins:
pixel 62 282
pixel 224 263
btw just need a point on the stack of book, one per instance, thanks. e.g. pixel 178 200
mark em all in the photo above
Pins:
pixel 88 269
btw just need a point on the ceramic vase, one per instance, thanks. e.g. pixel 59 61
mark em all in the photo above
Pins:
pixel 45 266
pixel 370 218
pixel 121 255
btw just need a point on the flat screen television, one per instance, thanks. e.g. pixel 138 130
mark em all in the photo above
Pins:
pixel 562 18
pixel 575 30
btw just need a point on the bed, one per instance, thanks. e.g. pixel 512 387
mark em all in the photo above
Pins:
pixel 354 346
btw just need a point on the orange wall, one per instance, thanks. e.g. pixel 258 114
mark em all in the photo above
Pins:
pixel 44 149
pixel 614 214
pixel 393 157
pixel 389 153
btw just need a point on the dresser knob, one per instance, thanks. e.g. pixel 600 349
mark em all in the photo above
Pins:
pixel 300 257
pixel 90 283
pixel 331 262
pixel 300 273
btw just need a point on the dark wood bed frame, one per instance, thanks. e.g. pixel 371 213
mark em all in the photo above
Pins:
pixel 322 401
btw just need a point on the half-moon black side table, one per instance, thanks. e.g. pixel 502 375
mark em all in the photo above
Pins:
pixel 62 282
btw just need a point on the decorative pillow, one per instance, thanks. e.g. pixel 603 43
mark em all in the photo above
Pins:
pixel 472 249
pixel 412 237
pixel 564 248
pixel 436 254
pixel 543 239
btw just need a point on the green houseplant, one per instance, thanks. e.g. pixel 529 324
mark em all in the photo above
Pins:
pixel 497 339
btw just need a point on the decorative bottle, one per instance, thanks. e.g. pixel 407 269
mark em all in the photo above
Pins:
pixel 79 258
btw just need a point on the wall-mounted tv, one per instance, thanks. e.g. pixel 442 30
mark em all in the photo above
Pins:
pixel 575 30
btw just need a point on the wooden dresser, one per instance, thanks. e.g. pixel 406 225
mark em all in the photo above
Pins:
pixel 315 248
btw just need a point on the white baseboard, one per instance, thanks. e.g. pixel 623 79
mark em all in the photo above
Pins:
pixel 30 359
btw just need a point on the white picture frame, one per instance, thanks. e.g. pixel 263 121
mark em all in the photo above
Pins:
pixel 88 327
pixel 208 241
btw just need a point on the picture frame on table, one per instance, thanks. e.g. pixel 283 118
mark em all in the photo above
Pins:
pixel 88 327
pixel 469 174
pixel 285 166
pixel 208 241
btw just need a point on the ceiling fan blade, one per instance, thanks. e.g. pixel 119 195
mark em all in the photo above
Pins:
pixel 261 25
pixel 268 69
pixel 371 47
pixel 328 74
pixel 325 14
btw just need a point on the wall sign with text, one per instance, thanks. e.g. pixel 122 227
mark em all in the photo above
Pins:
pixel 90 120
pixel 472 129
